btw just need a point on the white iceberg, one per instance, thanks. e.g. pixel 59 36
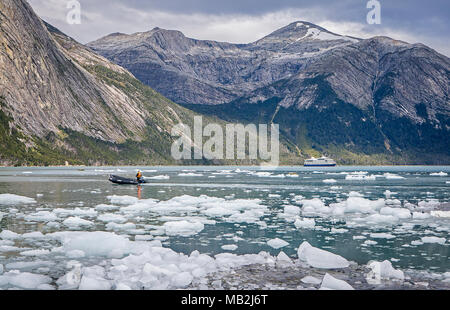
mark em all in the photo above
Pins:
pixel 123 200
pixel 331 283
pixel 12 200
pixel 277 243
pixel 24 280
pixel 75 222
pixel 305 223
pixel 383 271
pixel 432 239
pixel 182 228
pixel 439 174
pixel 319 258
pixel 311 280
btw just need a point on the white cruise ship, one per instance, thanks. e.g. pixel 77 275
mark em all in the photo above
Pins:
pixel 320 162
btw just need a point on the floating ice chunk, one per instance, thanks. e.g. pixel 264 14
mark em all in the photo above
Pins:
pixel 182 280
pixel 9 235
pixel 420 215
pixel 400 213
pixel 116 227
pixel 75 254
pixel 383 271
pixel 433 239
pixel 229 247
pixel 388 194
pixel 142 206
pixel 219 211
pixel 331 283
pixel 305 223
pixel 380 219
pixel 24 280
pixel 248 216
pixel 13 200
pixel 359 237
pixel 95 243
pixel 362 205
pixel 110 217
pixel 370 242
pixel 314 206
pixel 283 259
pixel 33 235
pixel 262 174
pixel 158 177
pixel 444 214
pixel 391 176
pixel 439 174
pixel 292 175
pixel 41 216
pixel 105 207
pixel 416 242
pixel 123 287
pixel 382 236
pixel 290 210
pixel 35 252
pixel 329 181
pixel 277 243
pixel 338 230
pixel 190 174
pixel 351 177
pixel 394 202
pixel 183 228
pixel 1 269
pixel 319 258
pixel 311 280
pixel 75 222
pixel 429 204
pixel 97 284
pixel 60 212
pixel 54 225
pixel 123 200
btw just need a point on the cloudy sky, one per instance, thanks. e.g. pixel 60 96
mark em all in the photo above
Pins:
pixel 244 21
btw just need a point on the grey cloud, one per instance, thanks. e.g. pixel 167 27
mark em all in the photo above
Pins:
pixel 420 21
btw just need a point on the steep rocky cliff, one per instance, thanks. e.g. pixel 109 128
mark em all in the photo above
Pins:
pixel 60 101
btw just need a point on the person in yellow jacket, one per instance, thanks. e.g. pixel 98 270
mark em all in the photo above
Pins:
pixel 139 176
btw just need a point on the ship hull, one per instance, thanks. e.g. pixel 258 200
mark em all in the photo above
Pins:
pixel 319 165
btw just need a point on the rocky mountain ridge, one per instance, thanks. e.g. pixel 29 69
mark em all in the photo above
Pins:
pixel 330 93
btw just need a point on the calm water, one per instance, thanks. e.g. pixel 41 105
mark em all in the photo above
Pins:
pixel 86 188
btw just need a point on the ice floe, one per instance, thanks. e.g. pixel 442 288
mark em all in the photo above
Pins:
pixel 25 280
pixel 439 174
pixel 277 243
pixel 383 271
pixel 329 181
pixel 183 228
pixel 331 283
pixel 433 239
pixel 305 223
pixel 13 200
pixel 319 258
pixel 229 247
pixel 76 222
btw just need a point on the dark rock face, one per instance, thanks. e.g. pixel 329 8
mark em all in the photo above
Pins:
pixel 61 101
pixel 376 96
pixel 215 72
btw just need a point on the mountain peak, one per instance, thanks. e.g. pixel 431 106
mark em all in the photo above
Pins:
pixel 302 31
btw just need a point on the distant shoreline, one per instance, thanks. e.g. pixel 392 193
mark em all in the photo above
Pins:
pixel 255 166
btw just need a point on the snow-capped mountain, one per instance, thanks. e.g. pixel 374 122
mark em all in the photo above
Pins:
pixel 375 96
